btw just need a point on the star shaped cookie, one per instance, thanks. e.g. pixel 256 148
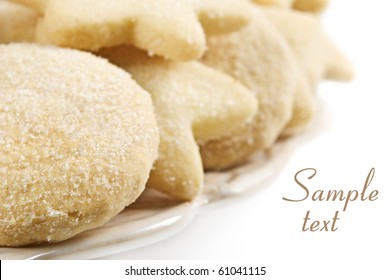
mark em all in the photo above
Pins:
pixel 174 29
pixel 193 103
pixel 318 57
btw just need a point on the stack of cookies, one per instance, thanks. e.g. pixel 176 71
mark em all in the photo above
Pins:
pixel 100 99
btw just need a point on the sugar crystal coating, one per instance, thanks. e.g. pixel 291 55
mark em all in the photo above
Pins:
pixel 257 56
pixel 78 138
pixel 193 103
pixel 174 29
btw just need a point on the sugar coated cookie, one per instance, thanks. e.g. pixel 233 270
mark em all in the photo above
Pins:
pixel 278 3
pixel 304 108
pixel 173 29
pixel 17 23
pixel 259 57
pixel 314 6
pixel 78 138
pixel 192 103
pixel 317 56
pixel 37 5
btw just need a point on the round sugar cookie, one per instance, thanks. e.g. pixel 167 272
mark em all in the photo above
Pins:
pixel 78 138
pixel 260 59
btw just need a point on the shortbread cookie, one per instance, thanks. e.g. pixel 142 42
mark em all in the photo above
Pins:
pixel 278 3
pixel 17 23
pixel 304 100
pixel 314 6
pixel 78 138
pixel 304 109
pixel 193 103
pixel 169 28
pixel 318 57
pixel 259 57
pixel 37 5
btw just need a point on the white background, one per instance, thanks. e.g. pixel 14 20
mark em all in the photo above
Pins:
pixel 261 226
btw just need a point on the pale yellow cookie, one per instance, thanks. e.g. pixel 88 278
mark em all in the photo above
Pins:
pixel 193 103
pixel 17 23
pixel 278 3
pixel 318 57
pixel 304 109
pixel 78 138
pixel 304 100
pixel 314 6
pixel 169 28
pixel 259 57
pixel 37 5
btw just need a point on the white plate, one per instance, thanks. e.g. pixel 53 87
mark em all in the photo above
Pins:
pixel 155 217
